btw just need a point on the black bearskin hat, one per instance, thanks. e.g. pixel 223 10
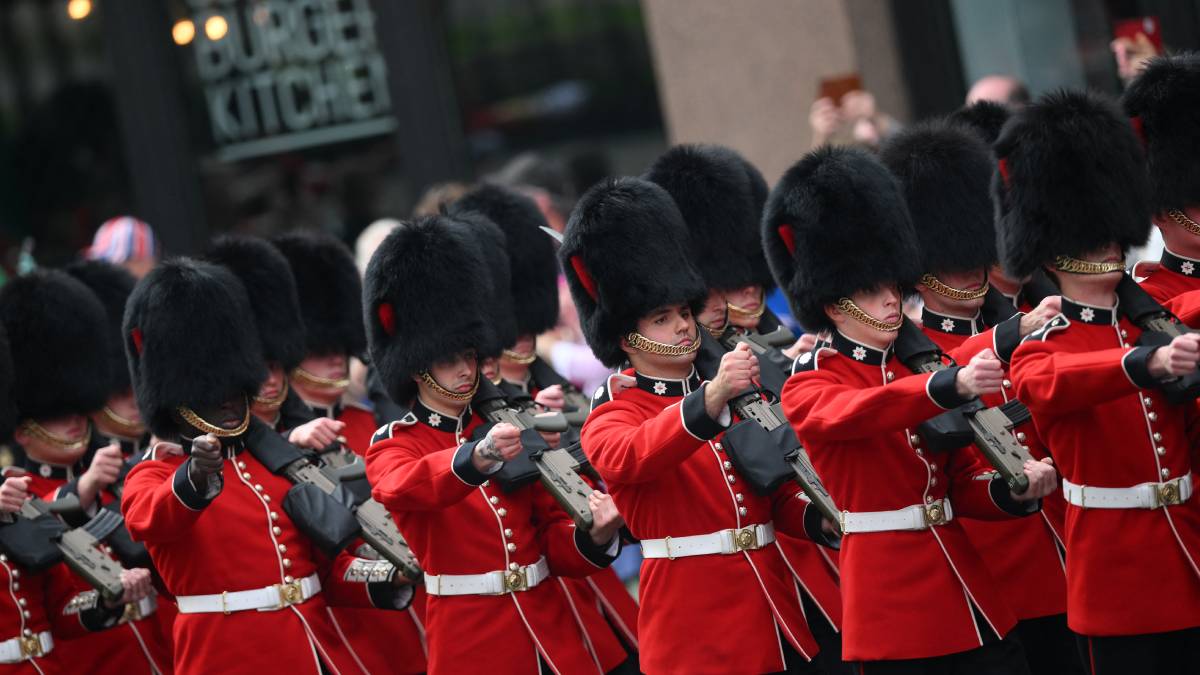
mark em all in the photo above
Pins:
pixel 330 292
pixel 945 171
pixel 8 407
pixel 1070 179
pixel 837 224
pixel 490 245
pixel 190 340
pixel 425 296
pixel 58 336
pixel 985 118
pixel 713 189
pixel 530 253
pixel 626 252
pixel 1164 103
pixel 112 284
pixel 267 278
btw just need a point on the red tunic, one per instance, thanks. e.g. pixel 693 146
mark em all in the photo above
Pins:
pixel 1081 381
pixel 1173 276
pixel 906 594
pixel 204 547
pixel 1022 554
pixel 37 603
pixel 131 647
pixel 661 457
pixel 458 522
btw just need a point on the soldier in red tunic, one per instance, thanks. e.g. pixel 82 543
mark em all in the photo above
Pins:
pixel 1163 103
pixel 917 595
pixel 489 555
pixel 59 336
pixel 235 542
pixel 716 593
pixel 718 194
pixel 945 172
pixel 1073 197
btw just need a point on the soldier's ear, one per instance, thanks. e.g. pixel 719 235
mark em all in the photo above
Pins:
pixel 625 346
pixel 835 315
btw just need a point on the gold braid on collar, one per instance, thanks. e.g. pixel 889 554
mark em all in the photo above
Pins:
pixel 855 312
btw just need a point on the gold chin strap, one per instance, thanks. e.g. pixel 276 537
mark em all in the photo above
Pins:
pixel 1183 221
pixel 747 314
pixel 205 426
pixel 645 344
pixel 715 332
pixel 318 381
pixel 855 312
pixel 934 284
pixel 1065 263
pixel 446 393
pixel 128 428
pixel 518 357
pixel 43 434
pixel 275 403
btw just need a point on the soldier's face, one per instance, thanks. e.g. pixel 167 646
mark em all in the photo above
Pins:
pixel 489 369
pixel 749 299
pixel 672 325
pixel 712 314
pixel 884 303
pixel 457 373
pixel 67 429
pixel 122 405
pixel 524 345
pixel 971 280
pixel 228 415
pixel 270 393
pixel 1177 239
pixel 329 366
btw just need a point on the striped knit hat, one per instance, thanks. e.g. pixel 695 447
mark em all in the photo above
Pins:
pixel 123 239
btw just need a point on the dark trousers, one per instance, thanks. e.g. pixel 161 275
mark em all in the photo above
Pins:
pixel 827 637
pixel 1173 653
pixel 1002 657
pixel 1049 645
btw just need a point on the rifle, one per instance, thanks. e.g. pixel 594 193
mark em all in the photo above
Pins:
pixel 557 468
pixel 378 528
pixel 763 447
pixel 578 405
pixel 79 545
pixel 990 429
pixel 1159 327
pixel 775 366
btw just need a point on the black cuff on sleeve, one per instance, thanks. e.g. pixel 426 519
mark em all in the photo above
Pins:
pixel 1136 363
pixel 597 555
pixel 101 617
pixel 1006 335
pixel 464 468
pixel 942 390
pixel 695 418
pixel 813 520
pixel 387 595
pixel 1000 495
pixel 190 495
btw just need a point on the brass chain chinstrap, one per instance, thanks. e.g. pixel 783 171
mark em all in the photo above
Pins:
pixel 43 434
pixel 742 312
pixel 318 381
pixel 937 286
pixel 1181 219
pixel 126 427
pixel 519 358
pixel 207 427
pixel 642 343
pixel 855 312
pixel 446 393
pixel 1065 263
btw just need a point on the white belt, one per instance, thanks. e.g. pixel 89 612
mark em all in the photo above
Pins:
pixel 18 649
pixel 723 542
pixel 915 517
pixel 1143 496
pixel 520 578
pixel 275 596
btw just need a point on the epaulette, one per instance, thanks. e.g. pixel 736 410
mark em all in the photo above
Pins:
pixel 604 393
pixel 1057 323
pixel 808 360
pixel 388 430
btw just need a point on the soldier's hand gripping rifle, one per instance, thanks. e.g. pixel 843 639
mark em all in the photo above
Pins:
pixel 372 521
pixel 763 447
pixel 555 467
pixel 774 366
pixel 990 429
pixel 79 547
pixel 1159 327
pixel 578 405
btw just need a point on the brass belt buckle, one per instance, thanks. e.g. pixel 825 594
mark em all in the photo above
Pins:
pixel 1168 494
pixel 31 646
pixel 516 580
pixel 935 514
pixel 745 539
pixel 133 612
pixel 290 593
